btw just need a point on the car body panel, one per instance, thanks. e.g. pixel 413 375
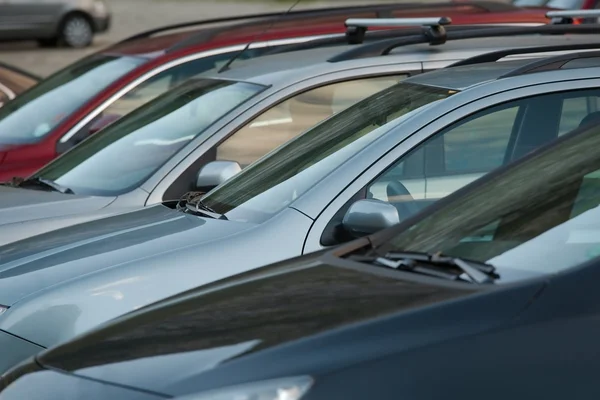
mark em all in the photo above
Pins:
pixel 66 386
pixel 18 205
pixel 398 313
pixel 20 349
pixel 69 280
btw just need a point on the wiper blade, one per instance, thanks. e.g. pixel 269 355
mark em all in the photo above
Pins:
pixel 192 202
pixel 47 183
pixel 437 264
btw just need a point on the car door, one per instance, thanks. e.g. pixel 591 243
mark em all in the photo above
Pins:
pixel 22 19
pixel 464 145
pixel 269 125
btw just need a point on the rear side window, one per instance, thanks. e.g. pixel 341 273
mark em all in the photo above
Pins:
pixel 479 144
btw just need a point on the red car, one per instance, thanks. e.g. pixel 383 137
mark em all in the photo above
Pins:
pixel 68 106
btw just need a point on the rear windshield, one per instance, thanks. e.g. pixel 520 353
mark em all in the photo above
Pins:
pixel 35 113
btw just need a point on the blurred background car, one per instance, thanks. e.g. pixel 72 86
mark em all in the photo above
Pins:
pixel 14 81
pixel 72 23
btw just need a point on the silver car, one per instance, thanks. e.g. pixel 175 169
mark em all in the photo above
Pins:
pixel 69 22
pixel 361 170
pixel 154 155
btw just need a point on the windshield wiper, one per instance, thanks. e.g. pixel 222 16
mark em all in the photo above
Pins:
pixel 198 207
pixel 48 184
pixel 436 264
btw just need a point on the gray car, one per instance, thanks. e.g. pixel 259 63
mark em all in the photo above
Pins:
pixel 154 154
pixel 69 22
pixel 364 169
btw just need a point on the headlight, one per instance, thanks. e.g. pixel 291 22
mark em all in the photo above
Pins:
pixel 2 309
pixel 277 389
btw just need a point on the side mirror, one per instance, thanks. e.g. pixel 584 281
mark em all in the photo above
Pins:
pixel 369 216
pixel 103 122
pixel 214 173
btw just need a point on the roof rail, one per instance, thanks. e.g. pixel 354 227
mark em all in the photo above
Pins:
pixel 381 10
pixel 500 54
pixel 550 63
pixel 356 28
pixel 369 37
pixel 384 47
pixel 568 16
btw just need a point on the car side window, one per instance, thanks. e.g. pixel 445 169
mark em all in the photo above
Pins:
pixel 295 115
pixel 142 94
pixel 474 146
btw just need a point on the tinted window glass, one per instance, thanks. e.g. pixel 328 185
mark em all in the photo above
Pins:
pixel 275 181
pixel 466 150
pixel 131 149
pixel 35 113
pixel 290 118
pixel 521 219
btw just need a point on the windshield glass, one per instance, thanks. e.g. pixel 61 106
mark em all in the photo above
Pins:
pixel 127 152
pixel 276 180
pixel 520 219
pixel 32 115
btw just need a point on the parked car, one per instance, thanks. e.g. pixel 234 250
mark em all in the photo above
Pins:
pixel 59 112
pixel 154 154
pixel 70 22
pixel 464 121
pixel 465 287
pixel 14 81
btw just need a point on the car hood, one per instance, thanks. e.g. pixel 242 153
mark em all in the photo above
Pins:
pixel 37 263
pixel 19 205
pixel 210 336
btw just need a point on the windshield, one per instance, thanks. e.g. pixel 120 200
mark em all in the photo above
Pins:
pixel 276 180
pixel 34 114
pixel 521 219
pixel 127 152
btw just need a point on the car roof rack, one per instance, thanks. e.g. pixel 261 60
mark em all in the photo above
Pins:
pixel 552 63
pixel 382 10
pixel 569 16
pixel 371 36
pixel 384 47
pixel 356 28
pixel 432 24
